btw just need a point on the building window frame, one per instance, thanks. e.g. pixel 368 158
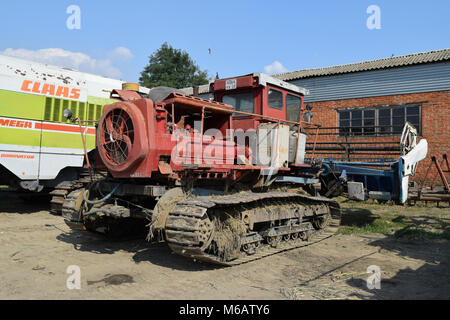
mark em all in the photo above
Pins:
pixel 379 121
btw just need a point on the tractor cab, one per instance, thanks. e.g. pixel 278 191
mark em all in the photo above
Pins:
pixel 270 107
pixel 260 94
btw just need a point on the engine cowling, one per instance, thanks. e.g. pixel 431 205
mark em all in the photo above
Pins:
pixel 122 140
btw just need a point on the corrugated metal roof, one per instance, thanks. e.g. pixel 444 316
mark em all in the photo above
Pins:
pixel 383 82
pixel 410 59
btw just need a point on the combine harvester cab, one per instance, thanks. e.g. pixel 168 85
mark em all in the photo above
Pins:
pixel 39 147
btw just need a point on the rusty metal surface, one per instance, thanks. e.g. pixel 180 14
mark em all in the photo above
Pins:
pixel 63 189
pixel 125 95
pixel 128 189
pixel 164 168
pixel 431 192
pixel 178 98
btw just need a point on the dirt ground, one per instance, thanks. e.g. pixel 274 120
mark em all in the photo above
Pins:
pixel 36 248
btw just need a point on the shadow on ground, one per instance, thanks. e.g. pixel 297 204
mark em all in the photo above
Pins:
pixel 418 238
pixel 357 217
pixel 143 251
pixel 423 227
pixel 23 203
pixel 157 253
pixel 421 237
pixel 430 281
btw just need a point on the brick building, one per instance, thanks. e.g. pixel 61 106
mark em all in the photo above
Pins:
pixel 370 102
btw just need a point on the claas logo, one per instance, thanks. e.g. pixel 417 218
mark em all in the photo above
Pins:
pixel 50 89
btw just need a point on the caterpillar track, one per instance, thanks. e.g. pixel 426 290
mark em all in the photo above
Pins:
pixel 72 209
pixel 225 230
pixel 63 189
pixel 262 224
pixel 109 219
pixel 60 193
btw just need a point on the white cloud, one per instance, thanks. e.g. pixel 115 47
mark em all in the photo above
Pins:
pixel 275 67
pixel 75 60
pixel 121 53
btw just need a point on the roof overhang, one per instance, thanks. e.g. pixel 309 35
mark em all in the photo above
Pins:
pixel 264 79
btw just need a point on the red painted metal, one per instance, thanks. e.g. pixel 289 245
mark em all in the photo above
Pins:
pixel 241 82
pixel 112 133
pixel 125 95
pixel 135 136
pixel 165 168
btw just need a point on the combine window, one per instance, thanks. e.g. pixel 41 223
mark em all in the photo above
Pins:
pixel 293 105
pixel 241 102
pixel 275 99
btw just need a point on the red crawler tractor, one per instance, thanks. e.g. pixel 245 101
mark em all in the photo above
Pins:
pixel 219 180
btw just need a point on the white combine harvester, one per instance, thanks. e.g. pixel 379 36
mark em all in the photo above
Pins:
pixel 39 148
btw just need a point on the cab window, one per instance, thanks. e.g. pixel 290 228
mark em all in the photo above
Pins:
pixel 241 102
pixel 293 105
pixel 275 99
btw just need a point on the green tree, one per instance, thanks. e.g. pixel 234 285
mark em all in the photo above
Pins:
pixel 172 68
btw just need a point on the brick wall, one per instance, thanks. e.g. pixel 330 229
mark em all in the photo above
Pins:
pixel 435 121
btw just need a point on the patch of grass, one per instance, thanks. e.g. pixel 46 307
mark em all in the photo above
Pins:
pixel 378 225
pixel 418 222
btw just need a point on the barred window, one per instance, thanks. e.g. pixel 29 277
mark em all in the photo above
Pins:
pixel 379 121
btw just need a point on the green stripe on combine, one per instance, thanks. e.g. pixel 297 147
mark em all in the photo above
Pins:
pixel 14 136
pixel 21 105
pixel 20 137
pixel 66 140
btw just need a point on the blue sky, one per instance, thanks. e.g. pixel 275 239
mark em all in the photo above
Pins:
pixel 116 37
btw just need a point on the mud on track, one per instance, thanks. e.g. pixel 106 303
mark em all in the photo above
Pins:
pixel 36 248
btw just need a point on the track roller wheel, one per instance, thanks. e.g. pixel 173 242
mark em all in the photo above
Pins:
pixel 206 233
pixel 274 241
pixel 321 222
pixel 249 248
pixel 306 235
